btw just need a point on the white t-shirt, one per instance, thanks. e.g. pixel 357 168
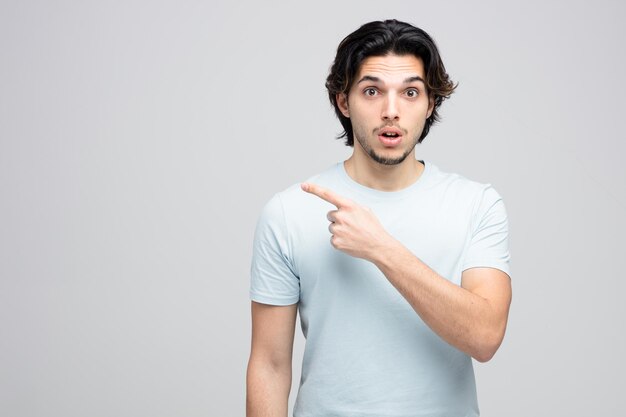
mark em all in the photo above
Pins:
pixel 367 352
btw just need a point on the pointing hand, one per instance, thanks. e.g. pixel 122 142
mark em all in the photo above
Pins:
pixel 354 229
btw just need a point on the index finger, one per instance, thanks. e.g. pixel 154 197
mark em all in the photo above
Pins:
pixel 325 194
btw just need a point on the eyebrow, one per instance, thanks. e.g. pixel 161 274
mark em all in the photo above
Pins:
pixel 406 80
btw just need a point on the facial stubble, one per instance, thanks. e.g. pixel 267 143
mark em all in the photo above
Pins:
pixel 381 159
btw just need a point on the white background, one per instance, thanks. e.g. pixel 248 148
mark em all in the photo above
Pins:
pixel 140 139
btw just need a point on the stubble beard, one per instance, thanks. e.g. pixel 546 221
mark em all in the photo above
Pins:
pixel 382 159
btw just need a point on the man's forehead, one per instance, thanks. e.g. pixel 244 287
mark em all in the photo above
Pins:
pixel 391 66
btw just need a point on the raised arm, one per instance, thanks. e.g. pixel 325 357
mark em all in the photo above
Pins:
pixel 269 367
pixel 472 317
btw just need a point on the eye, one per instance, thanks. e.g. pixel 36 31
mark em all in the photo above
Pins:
pixel 370 91
pixel 412 92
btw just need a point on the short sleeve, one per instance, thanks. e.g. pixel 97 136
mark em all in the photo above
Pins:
pixel 489 240
pixel 272 277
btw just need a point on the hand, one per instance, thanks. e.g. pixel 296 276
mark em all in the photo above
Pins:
pixel 354 229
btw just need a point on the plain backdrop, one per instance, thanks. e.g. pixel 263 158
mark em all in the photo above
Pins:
pixel 140 139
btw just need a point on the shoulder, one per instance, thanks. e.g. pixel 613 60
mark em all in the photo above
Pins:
pixel 462 186
pixel 294 196
pixel 444 177
pixel 292 200
pixel 470 196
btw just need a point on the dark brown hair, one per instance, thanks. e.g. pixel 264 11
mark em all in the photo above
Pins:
pixel 378 39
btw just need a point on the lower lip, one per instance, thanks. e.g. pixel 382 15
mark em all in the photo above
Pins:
pixel 390 142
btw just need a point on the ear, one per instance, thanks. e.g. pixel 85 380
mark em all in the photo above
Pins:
pixel 431 106
pixel 342 103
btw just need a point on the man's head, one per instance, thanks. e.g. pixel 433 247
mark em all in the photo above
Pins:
pixel 379 39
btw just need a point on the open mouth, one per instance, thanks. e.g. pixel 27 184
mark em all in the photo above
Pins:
pixel 390 138
pixel 390 135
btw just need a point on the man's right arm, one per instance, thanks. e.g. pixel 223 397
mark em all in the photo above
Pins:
pixel 269 368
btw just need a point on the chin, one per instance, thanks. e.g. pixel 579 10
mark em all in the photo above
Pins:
pixel 388 160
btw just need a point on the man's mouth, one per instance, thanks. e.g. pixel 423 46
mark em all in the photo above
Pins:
pixel 390 136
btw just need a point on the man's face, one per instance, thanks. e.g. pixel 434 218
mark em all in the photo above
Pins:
pixel 388 106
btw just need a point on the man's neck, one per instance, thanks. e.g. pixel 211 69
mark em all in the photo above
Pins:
pixel 372 174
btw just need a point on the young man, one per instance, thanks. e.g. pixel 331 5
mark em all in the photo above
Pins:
pixel 400 271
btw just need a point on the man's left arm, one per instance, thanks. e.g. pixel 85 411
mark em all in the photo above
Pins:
pixel 471 317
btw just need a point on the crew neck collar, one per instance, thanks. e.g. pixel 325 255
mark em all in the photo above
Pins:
pixel 384 195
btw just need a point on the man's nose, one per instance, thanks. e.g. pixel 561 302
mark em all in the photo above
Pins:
pixel 390 108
